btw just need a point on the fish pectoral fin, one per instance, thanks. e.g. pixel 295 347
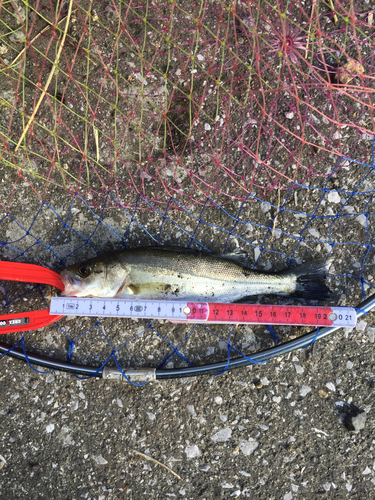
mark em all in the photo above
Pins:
pixel 153 289
pixel 238 256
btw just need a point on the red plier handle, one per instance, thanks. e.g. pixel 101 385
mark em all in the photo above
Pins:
pixel 28 273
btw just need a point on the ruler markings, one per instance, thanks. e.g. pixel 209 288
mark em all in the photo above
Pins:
pixel 206 312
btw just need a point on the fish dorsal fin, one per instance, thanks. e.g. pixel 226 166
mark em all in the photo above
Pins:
pixel 238 256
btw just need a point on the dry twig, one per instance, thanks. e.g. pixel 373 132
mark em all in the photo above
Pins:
pixel 49 78
pixel 33 40
pixel 313 7
pixel 96 137
pixel 330 2
pixel 157 462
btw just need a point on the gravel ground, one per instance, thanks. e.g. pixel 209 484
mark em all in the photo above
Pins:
pixel 273 431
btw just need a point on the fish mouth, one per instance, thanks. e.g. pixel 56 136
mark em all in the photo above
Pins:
pixel 70 284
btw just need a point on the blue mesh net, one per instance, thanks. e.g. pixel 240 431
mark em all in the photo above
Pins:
pixel 331 217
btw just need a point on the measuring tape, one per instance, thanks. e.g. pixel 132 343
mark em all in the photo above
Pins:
pixel 205 312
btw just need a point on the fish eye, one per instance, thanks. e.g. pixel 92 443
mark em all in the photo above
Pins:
pixel 84 271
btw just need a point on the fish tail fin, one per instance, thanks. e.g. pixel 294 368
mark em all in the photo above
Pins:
pixel 310 280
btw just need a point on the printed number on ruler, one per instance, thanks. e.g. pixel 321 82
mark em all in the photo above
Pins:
pixel 118 308
pixel 282 315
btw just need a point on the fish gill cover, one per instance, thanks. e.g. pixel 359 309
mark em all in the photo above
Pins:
pixel 211 125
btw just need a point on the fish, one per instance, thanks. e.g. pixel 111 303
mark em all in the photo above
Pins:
pixel 183 274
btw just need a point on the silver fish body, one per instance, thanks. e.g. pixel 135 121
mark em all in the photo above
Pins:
pixel 179 274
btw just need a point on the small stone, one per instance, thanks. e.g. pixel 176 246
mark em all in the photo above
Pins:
pixel 349 486
pixel 322 394
pixel 331 386
pixel 299 369
pixel 265 207
pixel 334 197
pixel 222 436
pixel 276 399
pixel 204 468
pixel 218 400
pixel 354 418
pixel 314 232
pixel 192 451
pixel 248 447
pixel 371 334
pixel 305 389
pixel 327 486
pixel 50 428
pixel 224 484
pixel 265 381
pixel 288 496
pixel 359 421
pixel 18 36
pixel 191 410
pixel 259 385
pixel 361 326
pixel 101 461
pixel 21 12
pixel 362 219
pixel 349 365
pixel 366 471
pixel 244 473
pixel 289 115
